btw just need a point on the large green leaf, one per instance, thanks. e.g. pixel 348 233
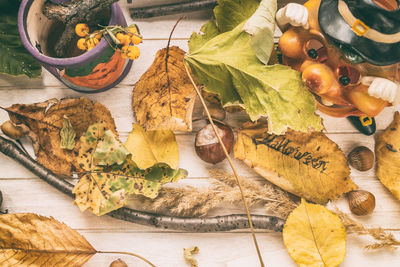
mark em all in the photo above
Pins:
pixel 14 58
pixel 261 26
pixel 230 13
pixel 228 66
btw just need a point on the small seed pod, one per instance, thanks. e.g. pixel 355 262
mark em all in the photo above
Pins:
pixel 118 263
pixel 207 146
pixel 361 158
pixel 11 130
pixel 361 202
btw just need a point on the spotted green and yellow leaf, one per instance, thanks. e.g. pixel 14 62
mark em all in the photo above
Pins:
pixel 102 189
pixel 110 150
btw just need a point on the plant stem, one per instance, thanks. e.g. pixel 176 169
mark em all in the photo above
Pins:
pixel 230 163
pixel 128 253
pixel 214 224
pixel 169 9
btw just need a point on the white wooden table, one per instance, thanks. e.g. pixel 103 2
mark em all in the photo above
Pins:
pixel 23 192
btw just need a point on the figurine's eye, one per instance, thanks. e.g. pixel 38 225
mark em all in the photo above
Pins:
pixel 348 75
pixel 316 50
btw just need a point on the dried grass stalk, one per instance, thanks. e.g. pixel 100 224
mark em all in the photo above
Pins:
pixel 193 202
pixel 385 239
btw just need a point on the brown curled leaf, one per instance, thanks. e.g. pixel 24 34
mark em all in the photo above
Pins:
pixel 163 98
pixel 44 122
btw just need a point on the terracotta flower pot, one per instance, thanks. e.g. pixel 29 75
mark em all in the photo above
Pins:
pixel 93 71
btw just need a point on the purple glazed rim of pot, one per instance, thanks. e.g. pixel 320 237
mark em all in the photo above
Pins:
pixel 116 14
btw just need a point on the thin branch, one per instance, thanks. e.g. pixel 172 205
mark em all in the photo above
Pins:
pixel 230 163
pixel 169 9
pixel 214 224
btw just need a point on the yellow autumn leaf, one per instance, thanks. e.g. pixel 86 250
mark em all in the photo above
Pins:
pixel 387 150
pixel 308 165
pixel 28 239
pixel 314 236
pixel 151 147
pixel 163 98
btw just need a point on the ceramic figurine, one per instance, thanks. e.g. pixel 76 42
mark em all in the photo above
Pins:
pixel 348 52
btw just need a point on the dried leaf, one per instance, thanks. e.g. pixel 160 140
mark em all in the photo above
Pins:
pixel 101 191
pixel 32 240
pixel 309 165
pixel 163 98
pixel 150 147
pixel 45 120
pixel 188 254
pixel 387 151
pixel 109 150
pixel 314 236
pixel 67 134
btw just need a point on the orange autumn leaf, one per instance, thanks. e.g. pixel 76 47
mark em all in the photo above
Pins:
pixel 28 239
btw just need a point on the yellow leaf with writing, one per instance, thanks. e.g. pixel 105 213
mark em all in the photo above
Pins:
pixel 314 236
pixel 387 151
pixel 308 165
pixel 151 147
pixel 28 239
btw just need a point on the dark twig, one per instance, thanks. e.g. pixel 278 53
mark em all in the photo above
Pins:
pixel 169 9
pixel 219 223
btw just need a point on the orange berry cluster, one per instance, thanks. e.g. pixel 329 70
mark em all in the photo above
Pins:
pixel 125 39
pixel 129 39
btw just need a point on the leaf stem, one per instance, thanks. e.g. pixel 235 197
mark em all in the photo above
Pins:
pixel 128 253
pixel 166 61
pixel 230 163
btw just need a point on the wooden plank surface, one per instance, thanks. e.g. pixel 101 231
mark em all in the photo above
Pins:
pixel 23 192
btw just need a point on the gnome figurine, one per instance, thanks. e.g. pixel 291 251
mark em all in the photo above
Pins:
pixel 348 52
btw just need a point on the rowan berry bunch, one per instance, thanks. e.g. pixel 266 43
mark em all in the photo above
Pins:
pixel 124 39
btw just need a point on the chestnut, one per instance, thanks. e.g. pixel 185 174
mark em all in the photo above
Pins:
pixel 361 202
pixel 361 158
pixel 118 263
pixel 207 146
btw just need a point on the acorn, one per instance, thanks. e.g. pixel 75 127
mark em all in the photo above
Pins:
pixel 361 202
pixel 118 263
pixel 11 130
pixel 207 145
pixel 361 158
